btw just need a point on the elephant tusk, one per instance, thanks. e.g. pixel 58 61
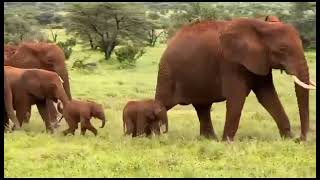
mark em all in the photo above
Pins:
pixel 61 79
pixel 162 128
pixel 302 84
pixel 312 83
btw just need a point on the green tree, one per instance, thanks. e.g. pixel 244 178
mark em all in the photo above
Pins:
pixel 155 28
pixel 303 17
pixel 105 24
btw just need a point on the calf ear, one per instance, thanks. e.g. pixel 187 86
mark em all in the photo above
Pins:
pixel 149 114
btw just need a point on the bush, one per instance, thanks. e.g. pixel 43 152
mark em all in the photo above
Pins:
pixel 67 47
pixel 128 55
pixel 30 36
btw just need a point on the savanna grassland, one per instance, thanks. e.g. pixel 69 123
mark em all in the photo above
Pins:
pixel 258 150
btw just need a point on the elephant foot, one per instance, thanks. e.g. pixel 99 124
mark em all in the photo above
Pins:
pixel 286 135
pixel 50 130
pixel 301 139
pixel 228 138
pixel 27 117
pixel 55 125
pixel 209 135
pixel 65 132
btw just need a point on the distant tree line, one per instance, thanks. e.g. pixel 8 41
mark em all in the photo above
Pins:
pixel 107 26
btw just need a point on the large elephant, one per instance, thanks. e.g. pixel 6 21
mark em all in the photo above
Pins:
pixel 8 107
pixel 34 86
pixel 41 56
pixel 214 61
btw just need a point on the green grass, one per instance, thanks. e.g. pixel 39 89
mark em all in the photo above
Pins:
pixel 258 150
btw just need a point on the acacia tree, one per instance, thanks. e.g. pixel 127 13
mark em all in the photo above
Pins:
pixel 155 28
pixel 104 24
pixel 189 13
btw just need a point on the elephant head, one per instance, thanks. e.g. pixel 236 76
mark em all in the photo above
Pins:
pixel 159 113
pixel 97 112
pixel 45 84
pixel 41 56
pixel 262 46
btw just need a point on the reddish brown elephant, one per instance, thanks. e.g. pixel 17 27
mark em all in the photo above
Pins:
pixel 144 117
pixel 76 111
pixel 215 61
pixel 34 86
pixel 41 56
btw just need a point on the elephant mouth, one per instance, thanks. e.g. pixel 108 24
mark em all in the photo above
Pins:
pixel 310 86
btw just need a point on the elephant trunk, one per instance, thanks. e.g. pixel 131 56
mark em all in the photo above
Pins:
pixel 60 109
pixel 63 73
pixel 103 122
pixel 302 93
pixel 165 120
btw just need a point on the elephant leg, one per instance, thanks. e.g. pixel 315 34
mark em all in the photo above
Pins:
pixel 83 126
pixel 45 115
pixel 5 120
pixel 149 129
pixel 128 127
pixel 155 127
pixel 206 128
pixel 72 126
pixel 235 87
pixel 233 114
pixel 140 126
pixel 91 128
pixel 23 111
pixel 83 130
pixel 268 98
pixel 53 112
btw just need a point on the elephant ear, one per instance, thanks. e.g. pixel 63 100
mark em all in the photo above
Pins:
pixel 241 44
pixel 32 84
pixel 149 114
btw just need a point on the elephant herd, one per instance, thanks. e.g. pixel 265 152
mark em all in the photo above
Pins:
pixel 205 62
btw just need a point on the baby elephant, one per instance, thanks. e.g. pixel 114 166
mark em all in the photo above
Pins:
pixel 145 116
pixel 81 111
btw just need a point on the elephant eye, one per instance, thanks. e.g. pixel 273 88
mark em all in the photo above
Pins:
pixel 283 48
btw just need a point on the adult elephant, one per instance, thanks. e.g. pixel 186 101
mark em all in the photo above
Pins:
pixel 34 86
pixel 45 56
pixel 214 61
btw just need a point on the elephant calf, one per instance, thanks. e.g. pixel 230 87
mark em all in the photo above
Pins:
pixel 76 111
pixel 144 117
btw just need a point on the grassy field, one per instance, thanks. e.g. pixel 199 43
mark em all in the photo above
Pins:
pixel 258 150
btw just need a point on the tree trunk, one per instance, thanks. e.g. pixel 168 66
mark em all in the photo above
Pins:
pixel 91 44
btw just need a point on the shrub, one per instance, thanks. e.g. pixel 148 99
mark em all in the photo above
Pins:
pixel 67 47
pixel 80 65
pixel 128 55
